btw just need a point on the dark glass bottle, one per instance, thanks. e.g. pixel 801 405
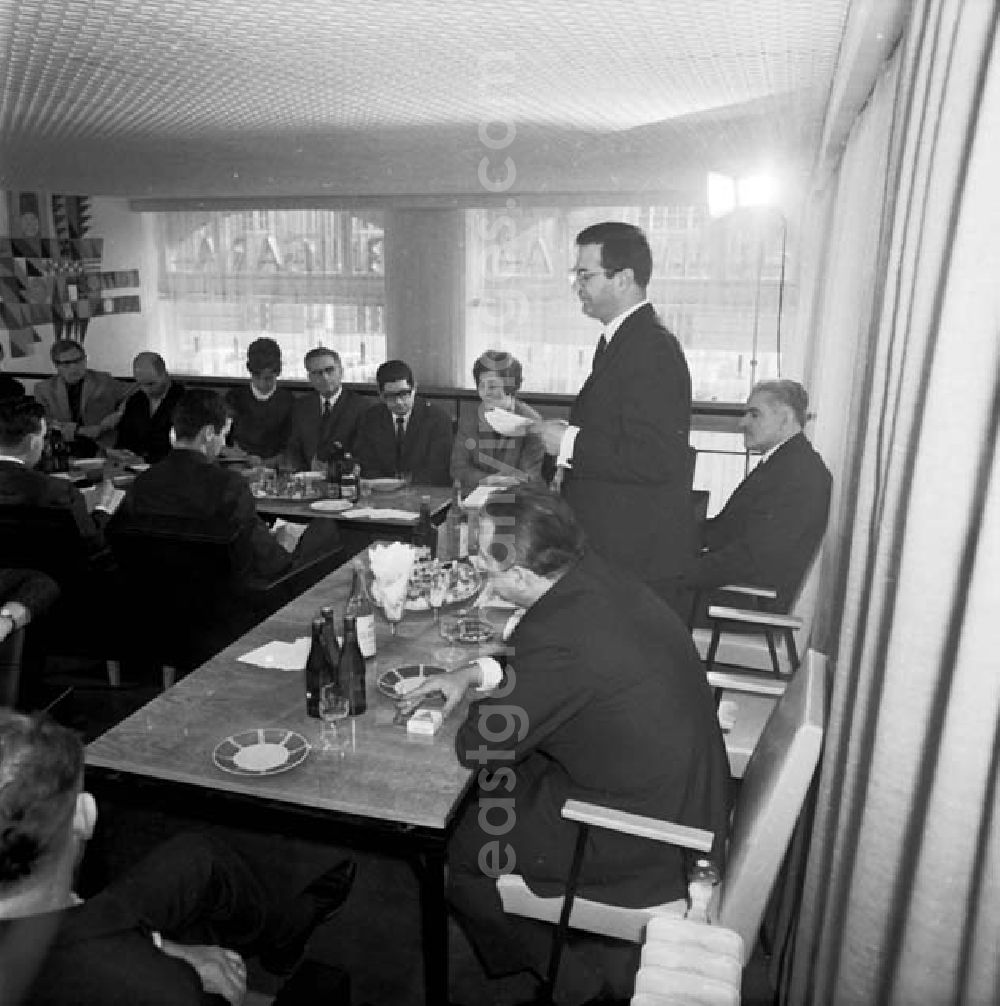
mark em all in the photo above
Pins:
pixel 335 469
pixel 330 643
pixel 361 610
pixel 352 669
pixel 349 484
pixel 425 534
pixel 59 451
pixel 318 671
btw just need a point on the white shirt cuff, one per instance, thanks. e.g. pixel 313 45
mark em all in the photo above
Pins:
pixel 565 458
pixel 492 674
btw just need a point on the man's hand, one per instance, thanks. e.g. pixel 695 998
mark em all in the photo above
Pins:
pixel 551 433
pixel 221 971
pixel 90 432
pixel 453 686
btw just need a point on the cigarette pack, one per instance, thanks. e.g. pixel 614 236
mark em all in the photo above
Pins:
pixel 425 721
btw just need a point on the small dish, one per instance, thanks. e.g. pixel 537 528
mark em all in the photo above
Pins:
pixel 138 466
pixel 398 681
pixel 308 476
pixel 467 629
pixel 87 464
pixel 332 506
pixel 263 751
pixel 384 485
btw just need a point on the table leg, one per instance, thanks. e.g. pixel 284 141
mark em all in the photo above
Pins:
pixel 434 926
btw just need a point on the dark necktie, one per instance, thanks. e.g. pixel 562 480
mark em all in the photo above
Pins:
pixel 399 443
pixel 327 406
pixel 602 348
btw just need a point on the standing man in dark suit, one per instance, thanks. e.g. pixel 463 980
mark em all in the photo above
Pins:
pixel 602 698
pixel 144 429
pixel 771 526
pixel 624 460
pixel 404 434
pixel 328 417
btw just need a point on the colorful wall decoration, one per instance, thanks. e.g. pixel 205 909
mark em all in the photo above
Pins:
pixel 50 270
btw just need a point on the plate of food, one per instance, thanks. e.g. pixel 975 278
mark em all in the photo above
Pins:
pixel 466 628
pixel 400 681
pixel 383 485
pixel 262 751
pixel 331 506
pixel 87 464
pixel 464 582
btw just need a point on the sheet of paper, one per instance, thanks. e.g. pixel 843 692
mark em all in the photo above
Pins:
pixel 280 656
pixel 479 496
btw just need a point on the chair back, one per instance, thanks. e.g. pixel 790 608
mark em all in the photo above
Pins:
pixel 11 650
pixel 774 789
pixel 46 539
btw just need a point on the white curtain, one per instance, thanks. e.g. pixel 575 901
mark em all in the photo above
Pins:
pixel 901 902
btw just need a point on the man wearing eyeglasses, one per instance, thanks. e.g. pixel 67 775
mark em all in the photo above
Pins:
pixel 327 417
pixel 404 435
pixel 623 460
pixel 84 404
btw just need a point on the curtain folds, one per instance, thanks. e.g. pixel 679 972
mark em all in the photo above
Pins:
pixel 901 902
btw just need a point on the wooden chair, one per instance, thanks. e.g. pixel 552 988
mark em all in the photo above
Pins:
pixel 83 621
pixel 774 789
pixel 189 595
pixel 758 618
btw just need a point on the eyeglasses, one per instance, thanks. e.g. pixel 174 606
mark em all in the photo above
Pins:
pixel 67 363
pixel 325 371
pixel 582 276
pixel 398 394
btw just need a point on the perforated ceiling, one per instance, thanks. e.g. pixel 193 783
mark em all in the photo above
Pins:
pixel 225 97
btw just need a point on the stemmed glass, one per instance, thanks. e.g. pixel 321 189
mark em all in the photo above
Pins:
pixel 437 589
pixel 393 604
pixel 334 708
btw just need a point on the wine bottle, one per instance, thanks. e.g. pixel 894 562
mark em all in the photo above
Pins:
pixel 317 669
pixel 330 643
pixel 361 610
pixel 425 534
pixel 352 669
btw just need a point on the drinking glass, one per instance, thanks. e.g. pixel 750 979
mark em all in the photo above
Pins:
pixel 334 708
pixel 393 604
pixel 437 589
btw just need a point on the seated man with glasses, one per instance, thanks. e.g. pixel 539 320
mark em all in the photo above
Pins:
pixel 325 418
pixel 84 405
pixel 404 435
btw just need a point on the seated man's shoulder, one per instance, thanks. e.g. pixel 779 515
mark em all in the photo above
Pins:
pixel 435 413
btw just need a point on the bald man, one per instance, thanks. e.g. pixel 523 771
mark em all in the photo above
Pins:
pixel 144 429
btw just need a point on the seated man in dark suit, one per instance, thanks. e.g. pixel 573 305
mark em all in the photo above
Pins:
pixel 22 440
pixel 404 434
pixel 262 409
pixel 602 698
pixel 771 526
pixel 172 931
pixel 188 483
pixel 23 594
pixel 144 428
pixel 325 418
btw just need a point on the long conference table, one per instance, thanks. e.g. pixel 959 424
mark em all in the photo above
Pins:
pixel 392 791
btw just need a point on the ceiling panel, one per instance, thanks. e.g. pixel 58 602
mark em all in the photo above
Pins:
pixel 223 97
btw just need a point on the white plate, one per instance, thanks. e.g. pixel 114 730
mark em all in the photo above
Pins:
pixel 332 506
pixel 509 424
pixel 139 466
pixel 309 476
pixel 85 464
pixel 384 485
pixel 397 681
pixel 263 751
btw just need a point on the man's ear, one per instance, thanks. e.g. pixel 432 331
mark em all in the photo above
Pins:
pixel 84 816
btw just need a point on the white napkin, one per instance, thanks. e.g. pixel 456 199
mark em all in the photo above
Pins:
pixel 372 513
pixel 479 496
pixel 510 424
pixel 280 656
pixel 391 565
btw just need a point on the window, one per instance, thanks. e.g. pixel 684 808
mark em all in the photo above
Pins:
pixel 304 277
pixel 717 285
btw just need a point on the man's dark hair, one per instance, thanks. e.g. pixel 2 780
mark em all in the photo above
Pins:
pixel 156 361
pixel 316 352
pixel 263 354
pixel 61 346
pixel 393 370
pixel 535 529
pixel 41 772
pixel 789 393
pixel 507 367
pixel 18 418
pixel 197 408
pixel 623 246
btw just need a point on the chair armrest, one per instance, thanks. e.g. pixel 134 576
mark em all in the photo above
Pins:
pixel 775 621
pixel 635 824
pixel 750 682
pixel 767 593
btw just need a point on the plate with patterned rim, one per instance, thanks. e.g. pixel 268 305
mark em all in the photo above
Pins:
pixel 262 751
pixel 398 681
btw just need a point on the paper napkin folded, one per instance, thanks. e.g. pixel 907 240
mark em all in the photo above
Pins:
pixel 280 656
pixel 507 423
pixel 372 513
